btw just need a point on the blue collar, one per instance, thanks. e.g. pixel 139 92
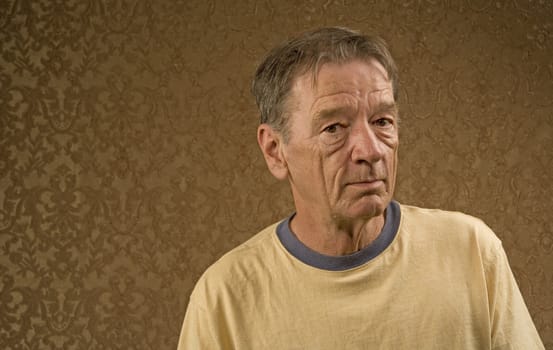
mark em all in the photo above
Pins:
pixel 345 262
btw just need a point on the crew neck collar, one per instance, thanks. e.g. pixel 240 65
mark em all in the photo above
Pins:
pixel 344 262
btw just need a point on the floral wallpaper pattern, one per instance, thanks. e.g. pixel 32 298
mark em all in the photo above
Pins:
pixel 128 158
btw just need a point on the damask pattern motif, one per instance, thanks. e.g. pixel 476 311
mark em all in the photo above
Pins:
pixel 128 160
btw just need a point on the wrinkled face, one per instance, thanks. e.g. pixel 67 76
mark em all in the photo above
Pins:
pixel 342 151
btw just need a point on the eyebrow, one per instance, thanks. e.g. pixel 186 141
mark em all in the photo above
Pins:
pixel 390 107
pixel 327 113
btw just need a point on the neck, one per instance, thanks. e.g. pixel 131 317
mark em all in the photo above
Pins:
pixel 335 236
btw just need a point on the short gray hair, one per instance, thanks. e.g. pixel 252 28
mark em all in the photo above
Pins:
pixel 274 77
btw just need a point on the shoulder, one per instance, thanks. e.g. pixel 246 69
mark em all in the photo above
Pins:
pixel 238 266
pixel 448 227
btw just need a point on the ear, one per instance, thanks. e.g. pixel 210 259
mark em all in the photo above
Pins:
pixel 271 143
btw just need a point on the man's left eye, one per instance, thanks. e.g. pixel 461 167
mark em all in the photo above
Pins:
pixel 383 122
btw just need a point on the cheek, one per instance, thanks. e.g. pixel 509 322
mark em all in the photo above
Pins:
pixel 393 156
pixel 392 167
pixel 392 145
pixel 336 169
pixel 391 140
pixel 302 162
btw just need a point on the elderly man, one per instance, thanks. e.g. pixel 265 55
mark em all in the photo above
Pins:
pixel 351 268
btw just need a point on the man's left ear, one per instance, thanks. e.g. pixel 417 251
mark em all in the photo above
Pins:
pixel 270 141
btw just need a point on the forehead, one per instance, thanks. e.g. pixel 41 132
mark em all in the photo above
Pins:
pixel 355 78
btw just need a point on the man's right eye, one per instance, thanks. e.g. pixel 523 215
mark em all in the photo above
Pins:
pixel 331 129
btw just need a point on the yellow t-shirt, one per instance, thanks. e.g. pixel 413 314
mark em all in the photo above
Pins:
pixel 439 280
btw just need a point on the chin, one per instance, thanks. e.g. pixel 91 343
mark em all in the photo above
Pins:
pixel 368 207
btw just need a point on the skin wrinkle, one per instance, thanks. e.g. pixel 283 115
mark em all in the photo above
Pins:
pixel 323 221
pixel 322 114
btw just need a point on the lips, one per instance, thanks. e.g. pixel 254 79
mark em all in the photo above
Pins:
pixel 367 185
pixel 364 181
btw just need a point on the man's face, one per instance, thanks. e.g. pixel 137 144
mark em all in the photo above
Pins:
pixel 341 154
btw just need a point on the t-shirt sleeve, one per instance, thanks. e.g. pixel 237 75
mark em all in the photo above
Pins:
pixel 511 325
pixel 197 329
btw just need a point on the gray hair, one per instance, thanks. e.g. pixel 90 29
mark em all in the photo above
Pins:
pixel 274 77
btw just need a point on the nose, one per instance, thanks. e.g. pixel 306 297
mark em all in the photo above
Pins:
pixel 366 145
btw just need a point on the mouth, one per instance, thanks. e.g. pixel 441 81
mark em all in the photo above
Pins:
pixel 367 185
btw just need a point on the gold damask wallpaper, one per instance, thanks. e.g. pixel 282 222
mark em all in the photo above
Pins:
pixel 129 163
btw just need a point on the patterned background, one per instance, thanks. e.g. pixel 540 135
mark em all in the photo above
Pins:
pixel 128 160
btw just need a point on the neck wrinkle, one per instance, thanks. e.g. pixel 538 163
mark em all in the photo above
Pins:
pixel 336 239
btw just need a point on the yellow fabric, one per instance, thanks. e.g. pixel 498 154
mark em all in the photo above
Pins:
pixel 443 283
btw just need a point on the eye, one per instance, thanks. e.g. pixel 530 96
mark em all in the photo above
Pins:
pixel 332 129
pixel 383 122
pixel 333 134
